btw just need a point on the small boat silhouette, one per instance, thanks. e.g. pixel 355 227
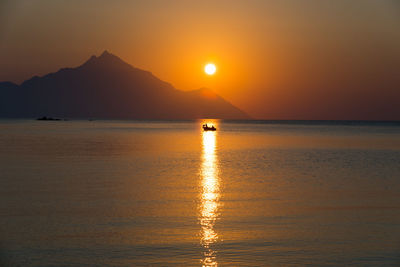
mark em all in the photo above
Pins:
pixel 44 118
pixel 208 128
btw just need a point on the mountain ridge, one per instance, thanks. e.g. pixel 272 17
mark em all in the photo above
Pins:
pixel 107 87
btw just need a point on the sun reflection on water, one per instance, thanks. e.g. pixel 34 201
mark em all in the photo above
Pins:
pixel 209 198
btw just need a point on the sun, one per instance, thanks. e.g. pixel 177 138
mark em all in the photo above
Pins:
pixel 210 69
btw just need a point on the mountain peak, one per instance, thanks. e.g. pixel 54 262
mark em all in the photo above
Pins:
pixel 106 54
pixel 105 59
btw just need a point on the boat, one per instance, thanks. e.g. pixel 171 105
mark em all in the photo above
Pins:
pixel 44 118
pixel 208 128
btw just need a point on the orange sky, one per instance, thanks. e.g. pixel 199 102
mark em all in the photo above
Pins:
pixel 276 59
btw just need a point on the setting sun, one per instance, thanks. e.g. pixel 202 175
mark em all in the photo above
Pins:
pixel 210 69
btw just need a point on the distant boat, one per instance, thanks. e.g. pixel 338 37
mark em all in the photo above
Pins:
pixel 44 118
pixel 208 128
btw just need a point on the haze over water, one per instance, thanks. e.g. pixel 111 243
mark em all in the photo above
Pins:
pixel 134 193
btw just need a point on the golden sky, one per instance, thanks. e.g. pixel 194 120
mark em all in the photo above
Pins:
pixel 276 59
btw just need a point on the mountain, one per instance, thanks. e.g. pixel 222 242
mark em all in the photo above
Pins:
pixel 107 87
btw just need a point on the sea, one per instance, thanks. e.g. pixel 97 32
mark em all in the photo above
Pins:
pixel 167 193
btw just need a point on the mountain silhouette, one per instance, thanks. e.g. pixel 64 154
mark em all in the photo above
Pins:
pixel 107 87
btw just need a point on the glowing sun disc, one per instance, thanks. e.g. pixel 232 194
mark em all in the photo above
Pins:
pixel 210 69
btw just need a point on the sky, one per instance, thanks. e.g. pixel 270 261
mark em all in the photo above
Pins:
pixel 282 59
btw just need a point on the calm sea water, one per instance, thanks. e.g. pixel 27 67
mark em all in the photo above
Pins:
pixel 107 193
